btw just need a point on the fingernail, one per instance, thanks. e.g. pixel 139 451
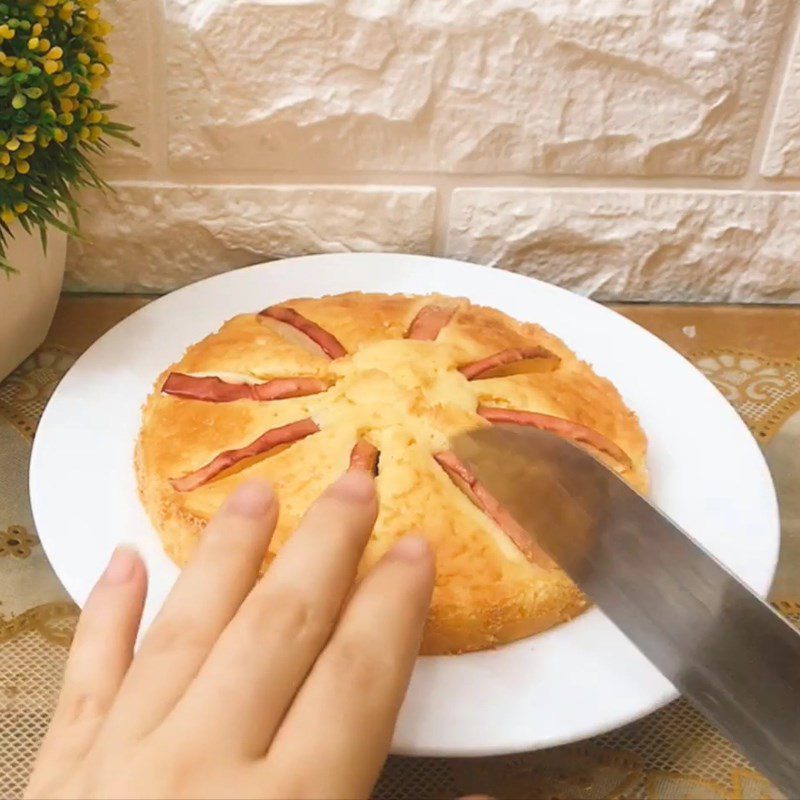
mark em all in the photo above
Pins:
pixel 251 499
pixel 358 486
pixel 411 548
pixel 121 566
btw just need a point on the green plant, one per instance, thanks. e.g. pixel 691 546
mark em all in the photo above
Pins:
pixel 53 60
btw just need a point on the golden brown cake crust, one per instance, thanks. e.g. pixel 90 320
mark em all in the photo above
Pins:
pixel 406 398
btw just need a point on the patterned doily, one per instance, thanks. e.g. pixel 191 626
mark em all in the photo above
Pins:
pixel 24 394
pixel 765 392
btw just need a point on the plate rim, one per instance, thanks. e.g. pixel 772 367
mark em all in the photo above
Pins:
pixel 487 749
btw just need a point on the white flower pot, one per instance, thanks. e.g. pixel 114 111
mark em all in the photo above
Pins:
pixel 28 297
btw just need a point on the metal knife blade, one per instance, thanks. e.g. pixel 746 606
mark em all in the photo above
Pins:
pixel 719 644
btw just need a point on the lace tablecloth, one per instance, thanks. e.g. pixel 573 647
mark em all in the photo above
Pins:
pixel 751 354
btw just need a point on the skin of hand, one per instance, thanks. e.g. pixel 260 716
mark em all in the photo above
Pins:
pixel 285 687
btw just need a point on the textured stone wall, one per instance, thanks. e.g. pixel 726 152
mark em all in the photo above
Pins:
pixel 634 149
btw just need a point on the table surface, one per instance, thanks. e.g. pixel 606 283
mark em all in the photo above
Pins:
pixel 752 354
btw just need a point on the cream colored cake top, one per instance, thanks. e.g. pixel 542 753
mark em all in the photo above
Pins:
pixel 400 375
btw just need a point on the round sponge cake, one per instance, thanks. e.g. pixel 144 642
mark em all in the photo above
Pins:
pixel 400 375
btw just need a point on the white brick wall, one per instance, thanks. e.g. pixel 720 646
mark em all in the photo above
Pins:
pixel 634 149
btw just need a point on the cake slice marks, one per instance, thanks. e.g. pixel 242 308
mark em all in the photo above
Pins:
pixel 480 496
pixel 429 321
pixel 564 428
pixel 271 439
pixel 509 362
pixel 212 389
pixel 327 342
pixel 364 456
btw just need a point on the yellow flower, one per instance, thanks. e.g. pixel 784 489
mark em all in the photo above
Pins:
pixel 68 112
pixel 7 215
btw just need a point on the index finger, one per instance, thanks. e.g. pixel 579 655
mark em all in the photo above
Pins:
pixel 205 597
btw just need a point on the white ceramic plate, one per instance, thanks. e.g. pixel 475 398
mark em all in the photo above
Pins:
pixel 575 681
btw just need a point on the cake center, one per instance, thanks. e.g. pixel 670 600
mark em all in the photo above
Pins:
pixel 400 382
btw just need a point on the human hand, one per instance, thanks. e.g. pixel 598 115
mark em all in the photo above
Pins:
pixel 287 687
